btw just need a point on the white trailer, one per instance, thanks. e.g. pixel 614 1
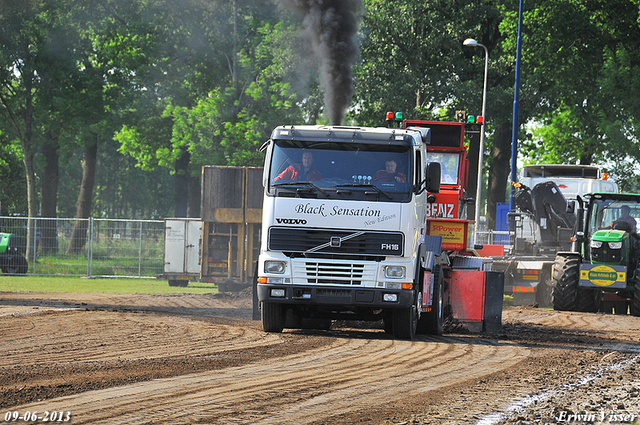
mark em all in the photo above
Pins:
pixel 182 247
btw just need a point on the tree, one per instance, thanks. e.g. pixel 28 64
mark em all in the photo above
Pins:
pixel 581 49
pixel 221 121
pixel 413 61
pixel 13 189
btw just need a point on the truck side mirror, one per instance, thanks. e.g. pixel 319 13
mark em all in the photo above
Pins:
pixel 433 177
pixel 571 207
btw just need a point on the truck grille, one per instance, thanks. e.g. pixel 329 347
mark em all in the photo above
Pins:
pixel 333 273
pixel 342 242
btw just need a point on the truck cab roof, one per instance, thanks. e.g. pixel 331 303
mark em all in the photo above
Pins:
pixel 561 170
pixel 346 134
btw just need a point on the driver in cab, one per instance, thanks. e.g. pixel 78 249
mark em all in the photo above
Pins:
pixel 304 171
pixel 625 217
pixel 389 174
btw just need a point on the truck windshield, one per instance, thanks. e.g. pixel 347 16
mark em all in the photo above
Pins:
pixel 341 170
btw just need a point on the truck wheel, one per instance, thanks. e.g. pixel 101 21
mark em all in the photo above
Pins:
pixel 15 265
pixel 273 317
pixel 565 283
pixel 405 322
pixel 432 322
pixel 543 291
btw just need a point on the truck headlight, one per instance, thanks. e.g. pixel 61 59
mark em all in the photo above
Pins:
pixel 615 245
pixel 394 272
pixel 277 267
pixel 596 244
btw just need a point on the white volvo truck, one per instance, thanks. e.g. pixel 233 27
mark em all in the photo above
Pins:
pixel 354 241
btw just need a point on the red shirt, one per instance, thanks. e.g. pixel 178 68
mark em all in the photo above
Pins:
pixel 296 172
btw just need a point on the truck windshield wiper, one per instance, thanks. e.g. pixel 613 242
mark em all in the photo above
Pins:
pixel 366 186
pixel 306 184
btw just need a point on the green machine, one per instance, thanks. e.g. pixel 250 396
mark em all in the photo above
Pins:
pixel 601 271
pixel 12 250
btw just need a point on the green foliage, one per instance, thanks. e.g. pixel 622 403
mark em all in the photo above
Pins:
pixel 177 85
pixel 414 61
pixel 626 176
pixel 13 185
pixel 577 52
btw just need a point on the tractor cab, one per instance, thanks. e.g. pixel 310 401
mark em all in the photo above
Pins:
pixel 612 229
pixel 603 265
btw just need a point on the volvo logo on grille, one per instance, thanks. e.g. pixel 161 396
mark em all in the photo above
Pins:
pixel 336 242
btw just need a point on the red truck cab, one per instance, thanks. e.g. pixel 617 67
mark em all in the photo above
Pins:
pixel 447 147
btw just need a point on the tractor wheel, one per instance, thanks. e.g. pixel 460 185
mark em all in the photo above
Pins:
pixel 273 317
pixel 15 265
pixel 589 300
pixel 564 294
pixel 635 305
pixel 405 322
pixel 432 322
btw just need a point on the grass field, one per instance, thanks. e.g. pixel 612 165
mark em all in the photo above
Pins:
pixel 106 285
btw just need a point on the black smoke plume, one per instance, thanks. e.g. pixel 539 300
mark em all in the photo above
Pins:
pixel 331 27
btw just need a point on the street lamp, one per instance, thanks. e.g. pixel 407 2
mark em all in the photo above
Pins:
pixel 473 43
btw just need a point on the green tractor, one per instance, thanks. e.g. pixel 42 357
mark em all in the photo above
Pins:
pixel 12 250
pixel 601 273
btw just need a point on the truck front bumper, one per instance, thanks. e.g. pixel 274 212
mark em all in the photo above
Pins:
pixel 337 296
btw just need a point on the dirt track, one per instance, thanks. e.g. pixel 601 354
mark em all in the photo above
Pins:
pixel 199 359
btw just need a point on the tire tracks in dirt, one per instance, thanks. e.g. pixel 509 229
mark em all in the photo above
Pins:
pixel 349 375
pixel 81 336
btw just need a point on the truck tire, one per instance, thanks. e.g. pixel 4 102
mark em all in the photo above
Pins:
pixel 565 283
pixel 273 317
pixel 543 290
pixel 15 265
pixel 405 322
pixel 432 322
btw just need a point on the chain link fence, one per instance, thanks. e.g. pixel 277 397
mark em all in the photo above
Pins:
pixel 89 247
